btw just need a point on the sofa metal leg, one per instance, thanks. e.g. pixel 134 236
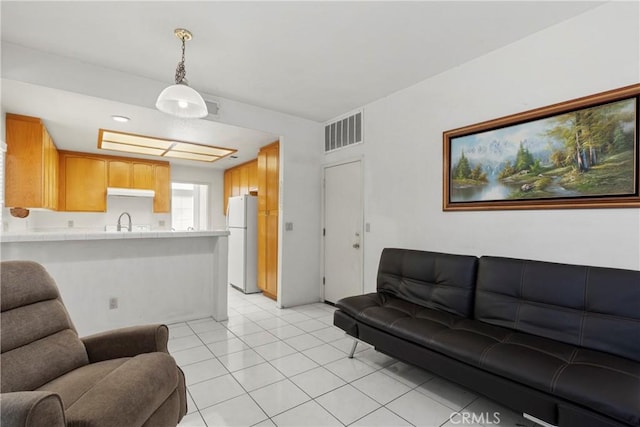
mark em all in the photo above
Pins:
pixel 537 420
pixel 353 349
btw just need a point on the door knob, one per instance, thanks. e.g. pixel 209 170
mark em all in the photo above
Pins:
pixel 356 245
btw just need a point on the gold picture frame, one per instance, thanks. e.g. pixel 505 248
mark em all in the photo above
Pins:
pixel 581 153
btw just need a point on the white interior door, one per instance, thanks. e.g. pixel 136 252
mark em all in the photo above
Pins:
pixel 343 212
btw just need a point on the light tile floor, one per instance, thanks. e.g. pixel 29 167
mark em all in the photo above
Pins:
pixel 289 367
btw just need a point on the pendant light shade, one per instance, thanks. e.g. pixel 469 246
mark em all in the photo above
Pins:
pixel 179 99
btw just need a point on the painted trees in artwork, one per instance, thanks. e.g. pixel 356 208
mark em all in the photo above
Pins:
pixel 463 172
pixel 587 135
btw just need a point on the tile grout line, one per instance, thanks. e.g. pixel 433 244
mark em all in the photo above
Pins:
pixel 376 367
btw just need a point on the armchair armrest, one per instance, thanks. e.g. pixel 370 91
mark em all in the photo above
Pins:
pixel 126 342
pixel 31 409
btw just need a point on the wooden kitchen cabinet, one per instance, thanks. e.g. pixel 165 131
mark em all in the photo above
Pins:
pixel 268 253
pixel 271 263
pixel 85 178
pixel 252 170
pixel 51 171
pixel 162 187
pixel 244 181
pixel 240 180
pixel 31 164
pixel 83 182
pixel 235 182
pixel 143 176
pixel 129 173
pixel 268 218
pixel 119 174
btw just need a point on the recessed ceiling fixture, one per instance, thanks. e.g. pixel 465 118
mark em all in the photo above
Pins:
pixel 122 119
pixel 152 146
pixel 179 99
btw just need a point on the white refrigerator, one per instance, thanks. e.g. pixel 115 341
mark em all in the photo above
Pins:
pixel 242 220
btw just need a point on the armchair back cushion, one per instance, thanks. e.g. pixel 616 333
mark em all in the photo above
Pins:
pixel 433 280
pixel 38 340
pixel 591 307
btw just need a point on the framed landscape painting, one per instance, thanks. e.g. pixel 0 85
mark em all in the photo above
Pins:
pixel 577 154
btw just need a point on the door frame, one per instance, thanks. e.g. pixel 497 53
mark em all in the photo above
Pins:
pixel 325 166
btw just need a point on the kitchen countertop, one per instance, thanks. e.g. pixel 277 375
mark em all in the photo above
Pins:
pixel 52 236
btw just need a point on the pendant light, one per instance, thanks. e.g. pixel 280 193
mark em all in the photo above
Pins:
pixel 179 99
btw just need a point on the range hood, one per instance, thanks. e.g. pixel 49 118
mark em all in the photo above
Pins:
pixel 129 192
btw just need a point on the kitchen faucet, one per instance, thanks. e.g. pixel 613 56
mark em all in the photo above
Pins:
pixel 130 227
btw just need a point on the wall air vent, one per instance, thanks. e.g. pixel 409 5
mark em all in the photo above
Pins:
pixel 214 109
pixel 343 132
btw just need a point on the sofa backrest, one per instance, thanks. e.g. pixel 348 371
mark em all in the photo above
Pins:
pixel 592 307
pixel 430 279
pixel 37 339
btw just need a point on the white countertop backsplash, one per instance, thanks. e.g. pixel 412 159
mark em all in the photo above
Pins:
pixel 45 221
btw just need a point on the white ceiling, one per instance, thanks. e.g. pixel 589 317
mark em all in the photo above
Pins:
pixel 315 60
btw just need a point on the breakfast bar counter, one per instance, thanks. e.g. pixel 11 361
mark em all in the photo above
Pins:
pixel 114 279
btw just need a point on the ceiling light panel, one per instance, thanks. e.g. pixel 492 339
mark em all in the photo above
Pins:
pixel 191 156
pixel 201 149
pixel 108 145
pixel 140 144
pixel 140 140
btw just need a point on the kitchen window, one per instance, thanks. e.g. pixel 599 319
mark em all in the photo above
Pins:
pixel 189 206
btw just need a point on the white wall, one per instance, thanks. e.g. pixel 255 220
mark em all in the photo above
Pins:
pixel 594 52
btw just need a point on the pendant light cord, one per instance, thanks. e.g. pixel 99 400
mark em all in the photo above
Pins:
pixel 180 71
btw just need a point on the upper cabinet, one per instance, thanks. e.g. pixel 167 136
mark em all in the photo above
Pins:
pixel 119 172
pixel 31 164
pixel 143 175
pixel 84 179
pixel 130 173
pixel 240 180
pixel 268 178
pixel 83 182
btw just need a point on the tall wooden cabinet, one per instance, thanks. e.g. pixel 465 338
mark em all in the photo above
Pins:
pixel 31 164
pixel 268 212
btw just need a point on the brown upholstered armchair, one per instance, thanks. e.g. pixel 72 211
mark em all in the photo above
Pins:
pixel 50 377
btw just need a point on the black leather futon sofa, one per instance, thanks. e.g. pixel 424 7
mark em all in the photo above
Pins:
pixel 558 342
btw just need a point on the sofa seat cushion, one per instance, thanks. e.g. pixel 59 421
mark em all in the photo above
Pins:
pixel 124 391
pixel 597 380
pixel 396 315
pixel 603 382
pixel 554 367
